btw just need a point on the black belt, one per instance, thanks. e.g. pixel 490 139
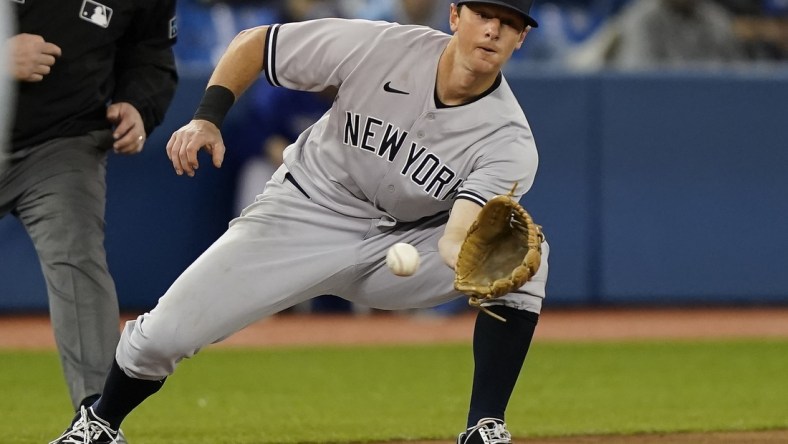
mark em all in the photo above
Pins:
pixel 292 180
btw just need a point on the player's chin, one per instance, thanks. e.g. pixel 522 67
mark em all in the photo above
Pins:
pixel 488 62
pixel 487 67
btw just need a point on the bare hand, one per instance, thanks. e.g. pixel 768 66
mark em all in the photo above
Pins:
pixel 129 132
pixel 31 57
pixel 186 142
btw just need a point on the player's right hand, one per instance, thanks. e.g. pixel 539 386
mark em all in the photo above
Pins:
pixel 31 57
pixel 186 142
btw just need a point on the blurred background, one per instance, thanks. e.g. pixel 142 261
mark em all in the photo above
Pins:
pixel 662 128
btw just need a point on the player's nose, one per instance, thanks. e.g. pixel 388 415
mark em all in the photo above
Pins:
pixel 493 28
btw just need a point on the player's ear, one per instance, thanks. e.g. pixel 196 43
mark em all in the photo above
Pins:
pixel 522 37
pixel 454 17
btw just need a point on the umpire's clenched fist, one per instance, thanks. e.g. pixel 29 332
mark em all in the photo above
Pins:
pixel 31 57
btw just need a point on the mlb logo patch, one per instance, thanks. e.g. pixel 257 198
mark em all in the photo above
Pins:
pixel 95 13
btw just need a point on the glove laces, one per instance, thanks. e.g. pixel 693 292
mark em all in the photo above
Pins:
pixel 477 302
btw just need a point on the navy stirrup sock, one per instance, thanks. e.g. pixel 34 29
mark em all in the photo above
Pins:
pixel 499 350
pixel 88 401
pixel 121 395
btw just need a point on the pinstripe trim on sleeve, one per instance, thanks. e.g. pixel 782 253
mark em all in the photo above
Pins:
pixel 270 55
pixel 473 197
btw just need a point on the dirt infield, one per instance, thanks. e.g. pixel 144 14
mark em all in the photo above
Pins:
pixel 34 332
pixel 771 437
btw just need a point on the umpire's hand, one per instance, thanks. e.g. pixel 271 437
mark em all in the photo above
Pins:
pixel 31 57
pixel 129 130
pixel 186 142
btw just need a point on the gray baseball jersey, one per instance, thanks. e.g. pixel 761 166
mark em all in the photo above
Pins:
pixel 383 166
pixel 386 147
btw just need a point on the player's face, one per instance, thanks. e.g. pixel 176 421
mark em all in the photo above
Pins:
pixel 487 34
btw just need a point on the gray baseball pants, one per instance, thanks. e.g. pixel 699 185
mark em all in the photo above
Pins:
pixel 58 191
pixel 283 250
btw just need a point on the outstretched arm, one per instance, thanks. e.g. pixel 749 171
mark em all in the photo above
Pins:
pixel 237 69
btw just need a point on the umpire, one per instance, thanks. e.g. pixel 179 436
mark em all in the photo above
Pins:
pixel 91 75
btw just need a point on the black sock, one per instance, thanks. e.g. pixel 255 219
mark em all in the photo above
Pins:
pixel 499 350
pixel 88 401
pixel 122 394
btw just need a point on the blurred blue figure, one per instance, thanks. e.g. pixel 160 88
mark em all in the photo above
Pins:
pixel 564 24
pixel 274 117
pixel 206 28
pixel 432 13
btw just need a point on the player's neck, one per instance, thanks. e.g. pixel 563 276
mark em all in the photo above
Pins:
pixel 456 83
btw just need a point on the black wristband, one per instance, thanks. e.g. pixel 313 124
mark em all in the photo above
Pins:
pixel 215 104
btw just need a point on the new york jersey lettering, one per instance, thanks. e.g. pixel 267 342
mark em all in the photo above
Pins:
pixel 422 167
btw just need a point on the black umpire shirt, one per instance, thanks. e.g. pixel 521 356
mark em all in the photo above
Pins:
pixel 113 51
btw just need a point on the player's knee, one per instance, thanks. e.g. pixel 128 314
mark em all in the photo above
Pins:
pixel 150 355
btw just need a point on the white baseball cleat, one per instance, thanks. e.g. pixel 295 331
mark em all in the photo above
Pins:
pixel 486 431
pixel 88 428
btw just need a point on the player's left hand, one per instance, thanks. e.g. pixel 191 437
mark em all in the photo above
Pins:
pixel 129 131
pixel 187 141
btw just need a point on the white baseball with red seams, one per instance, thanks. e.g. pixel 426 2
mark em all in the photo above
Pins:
pixel 403 259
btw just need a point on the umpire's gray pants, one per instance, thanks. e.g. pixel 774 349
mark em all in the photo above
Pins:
pixel 57 190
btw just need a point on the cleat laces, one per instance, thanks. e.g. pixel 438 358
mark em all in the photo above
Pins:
pixel 486 431
pixel 497 434
pixel 87 430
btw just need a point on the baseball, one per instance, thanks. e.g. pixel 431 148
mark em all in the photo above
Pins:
pixel 403 259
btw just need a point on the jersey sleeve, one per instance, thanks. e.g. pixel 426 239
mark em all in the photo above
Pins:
pixel 508 160
pixel 315 54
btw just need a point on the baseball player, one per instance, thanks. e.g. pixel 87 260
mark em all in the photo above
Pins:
pixel 423 131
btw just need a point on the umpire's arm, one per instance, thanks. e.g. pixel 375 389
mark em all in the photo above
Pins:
pixel 463 213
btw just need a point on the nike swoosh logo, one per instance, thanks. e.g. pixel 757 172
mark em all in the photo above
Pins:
pixel 387 87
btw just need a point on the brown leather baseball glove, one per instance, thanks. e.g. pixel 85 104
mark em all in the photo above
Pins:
pixel 501 252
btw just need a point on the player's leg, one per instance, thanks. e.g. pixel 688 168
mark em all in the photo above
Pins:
pixel 499 348
pixel 61 204
pixel 269 259
pixel 499 352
